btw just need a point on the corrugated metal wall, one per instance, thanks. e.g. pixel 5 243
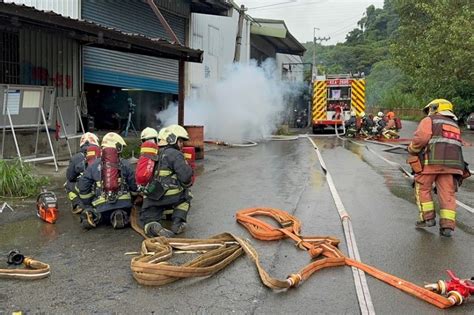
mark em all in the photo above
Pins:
pixel 127 70
pixel 49 59
pixel 216 36
pixel 70 8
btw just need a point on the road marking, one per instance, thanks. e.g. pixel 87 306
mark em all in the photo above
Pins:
pixel 360 281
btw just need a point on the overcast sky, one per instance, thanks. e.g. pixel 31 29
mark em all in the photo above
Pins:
pixel 334 18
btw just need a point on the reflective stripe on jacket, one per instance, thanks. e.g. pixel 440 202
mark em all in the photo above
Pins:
pixel 175 174
pixel 90 185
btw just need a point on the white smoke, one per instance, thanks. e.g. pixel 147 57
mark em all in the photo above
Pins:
pixel 247 104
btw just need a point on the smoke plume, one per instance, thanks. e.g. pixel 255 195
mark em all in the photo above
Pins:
pixel 248 103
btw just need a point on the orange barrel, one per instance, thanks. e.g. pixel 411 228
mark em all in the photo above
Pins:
pixel 196 140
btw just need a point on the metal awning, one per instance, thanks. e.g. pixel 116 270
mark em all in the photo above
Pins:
pixel 214 7
pixel 15 16
pixel 277 34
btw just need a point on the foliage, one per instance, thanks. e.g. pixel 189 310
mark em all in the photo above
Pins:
pixel 434 46
pixel 19 181
pixel 411 51
pixel 389 87
pixel 132 149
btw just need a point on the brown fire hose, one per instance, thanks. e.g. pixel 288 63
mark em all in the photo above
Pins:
pixel 33 270
pixel 152 266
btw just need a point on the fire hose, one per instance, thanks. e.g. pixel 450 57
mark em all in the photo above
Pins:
pixel 33 270
pixel 152 266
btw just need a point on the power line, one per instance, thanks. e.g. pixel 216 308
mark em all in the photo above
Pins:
pixel 272 5
pixel 287 6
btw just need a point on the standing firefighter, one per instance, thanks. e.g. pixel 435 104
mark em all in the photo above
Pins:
pixel 107 185
pixel 169 188
pixel 436 157
pixel 89 150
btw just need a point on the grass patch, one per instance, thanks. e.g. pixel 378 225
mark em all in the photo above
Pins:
pixel 18 181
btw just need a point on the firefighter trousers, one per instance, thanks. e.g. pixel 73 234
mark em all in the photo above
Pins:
pixel 446 188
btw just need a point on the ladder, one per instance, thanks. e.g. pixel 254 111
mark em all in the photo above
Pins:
pixel 72 135
pixel 34 158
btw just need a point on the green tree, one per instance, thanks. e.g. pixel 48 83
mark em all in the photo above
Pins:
pixel 434 45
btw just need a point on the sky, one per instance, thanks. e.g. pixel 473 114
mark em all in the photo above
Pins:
pixel 334 18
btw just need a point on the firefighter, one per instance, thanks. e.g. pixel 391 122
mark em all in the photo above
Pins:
pixel 171 183
pixel 366 124
pixel 102 203
pixel 436 158
pixel 76 167
pixel 379 123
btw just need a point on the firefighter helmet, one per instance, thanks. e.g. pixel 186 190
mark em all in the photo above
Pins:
pixel 113 140
pixel 162 135
pixel 380 114
pixel 438 105
pixel 89 138
pixel 175 132
pixel 149 134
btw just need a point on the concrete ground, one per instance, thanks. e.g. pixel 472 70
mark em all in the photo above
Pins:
pixel 91 273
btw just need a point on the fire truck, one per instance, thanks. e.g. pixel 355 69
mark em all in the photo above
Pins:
pixel 334 97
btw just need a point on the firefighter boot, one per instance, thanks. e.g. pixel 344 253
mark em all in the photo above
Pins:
pixel 446 232
pixel 119 219
pixel 154 229
pixel 425 223
pixel 77 208
pixel 178 226
pixel 89 219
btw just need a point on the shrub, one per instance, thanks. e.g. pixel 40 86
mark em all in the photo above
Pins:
pixel 19 181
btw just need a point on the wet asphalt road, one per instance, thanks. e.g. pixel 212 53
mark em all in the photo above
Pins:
pixel 90 272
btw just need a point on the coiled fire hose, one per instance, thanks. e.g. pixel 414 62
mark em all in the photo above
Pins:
pixel 33 270
pixel 152 266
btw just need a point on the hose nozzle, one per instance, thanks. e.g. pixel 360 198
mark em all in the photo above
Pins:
pixel 15 257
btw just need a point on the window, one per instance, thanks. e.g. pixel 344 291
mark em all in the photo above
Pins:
pixel 9 58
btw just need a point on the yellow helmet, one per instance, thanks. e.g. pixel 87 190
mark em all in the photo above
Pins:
pixel 162 135
pixel 174 133
pixel 438 105
pixel 149 134
pixel 113 140
pixel 90 138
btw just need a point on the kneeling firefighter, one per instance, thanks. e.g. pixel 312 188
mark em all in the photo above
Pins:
pixel 107 186
pixel 168 191
pixel 89 151
pixel 436 158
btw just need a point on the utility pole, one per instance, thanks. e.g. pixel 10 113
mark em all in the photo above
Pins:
pixel 238 39
pixel 320 39
pixel 314 52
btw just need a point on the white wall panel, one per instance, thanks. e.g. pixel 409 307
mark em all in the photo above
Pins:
pixel 69 8
pixel 215 35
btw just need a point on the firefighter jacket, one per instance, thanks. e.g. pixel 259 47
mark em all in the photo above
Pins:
pixel 91 193
pixel 174 174
pixel 77 165
pixel 438 140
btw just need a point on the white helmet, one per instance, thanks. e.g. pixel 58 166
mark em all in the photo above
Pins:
pixel 380 114
pixel 89 138
pixel 149 134
pixel 173 133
